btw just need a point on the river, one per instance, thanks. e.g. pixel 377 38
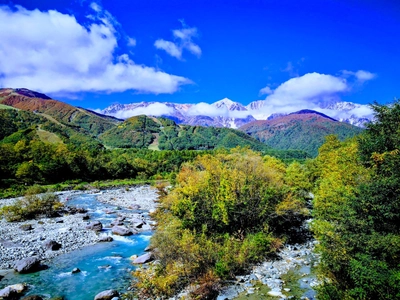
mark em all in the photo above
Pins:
pixel 103 266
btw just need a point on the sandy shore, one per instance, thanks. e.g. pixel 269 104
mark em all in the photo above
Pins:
pixel 69 230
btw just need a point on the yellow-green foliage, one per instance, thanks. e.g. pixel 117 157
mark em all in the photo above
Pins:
pixel 216 222
pixel 31 206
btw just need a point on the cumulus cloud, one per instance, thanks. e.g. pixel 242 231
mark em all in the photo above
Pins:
pixel 306 89
pixel 183 41
pixel 51 52
pixel 302 92
pixel 309 92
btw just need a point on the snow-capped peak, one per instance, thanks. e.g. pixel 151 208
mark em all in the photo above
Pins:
pixel 229 104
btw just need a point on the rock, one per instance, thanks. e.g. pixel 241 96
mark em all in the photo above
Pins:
pixel 1 277
pixel 27 265
pixel 8 293
pixel 26 227
pixel 32 297
pixel 95 225
pixel 107 295
pixel 145 258
pixel 52 245
pixel 106 239
pixel 117 222
pixel 138 223
pixel 85 217
pixel 11 291
pixel 75 270
pixel 121 230
pixel 60 221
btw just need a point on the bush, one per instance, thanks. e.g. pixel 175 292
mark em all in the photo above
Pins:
pixel 215 222
pixel 32 206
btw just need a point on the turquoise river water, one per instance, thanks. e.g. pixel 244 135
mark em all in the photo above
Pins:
pixel 103 266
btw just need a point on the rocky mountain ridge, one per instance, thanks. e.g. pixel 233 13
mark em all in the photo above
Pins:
pixel 231 114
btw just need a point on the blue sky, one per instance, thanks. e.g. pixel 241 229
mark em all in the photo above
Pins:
pixel 95 53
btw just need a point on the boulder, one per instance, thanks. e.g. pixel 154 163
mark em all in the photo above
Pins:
pixel 106 239
pixel 145 258
pixel 85 217
pixel 95 225
pixel 121 230
pixel 138 223
pixel 75 270
pixel 106 295
pixel 27 265
pixel 52 245
pixel 12 291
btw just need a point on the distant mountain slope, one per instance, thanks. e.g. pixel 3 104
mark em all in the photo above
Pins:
pixel 304 130
pixel 17 125
pixel 165 134
pixel 85 120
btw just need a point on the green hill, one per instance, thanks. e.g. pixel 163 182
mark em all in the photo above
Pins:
pixel 16 125
pixel 303 130
pixel 165 134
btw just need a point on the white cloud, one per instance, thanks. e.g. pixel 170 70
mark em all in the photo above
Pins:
pixel 205 109
pixel 183 40
pixel 309 91
pixel 153 109
pixel 360 75
pixel 131 41
pixel 301 92
pixel 311 87
pixel 51 52
pixel 169 47
pixel 95 7
pixel 266 91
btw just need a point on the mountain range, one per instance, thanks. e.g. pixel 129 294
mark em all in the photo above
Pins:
pixel 27 115
pixel 231 114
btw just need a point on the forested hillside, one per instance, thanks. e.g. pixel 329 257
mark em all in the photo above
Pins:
pixel 357 211
pixel 230 210
pixel 304 130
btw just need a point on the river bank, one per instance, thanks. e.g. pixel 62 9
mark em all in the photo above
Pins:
pixel 19 240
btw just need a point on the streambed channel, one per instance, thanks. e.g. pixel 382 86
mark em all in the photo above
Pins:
pixel 102 265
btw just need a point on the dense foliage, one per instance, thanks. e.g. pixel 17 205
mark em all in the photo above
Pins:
pixel 220 218
pixel 357 211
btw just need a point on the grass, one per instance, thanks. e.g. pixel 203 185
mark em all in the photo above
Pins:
pixel 2 106
pixel 48 137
